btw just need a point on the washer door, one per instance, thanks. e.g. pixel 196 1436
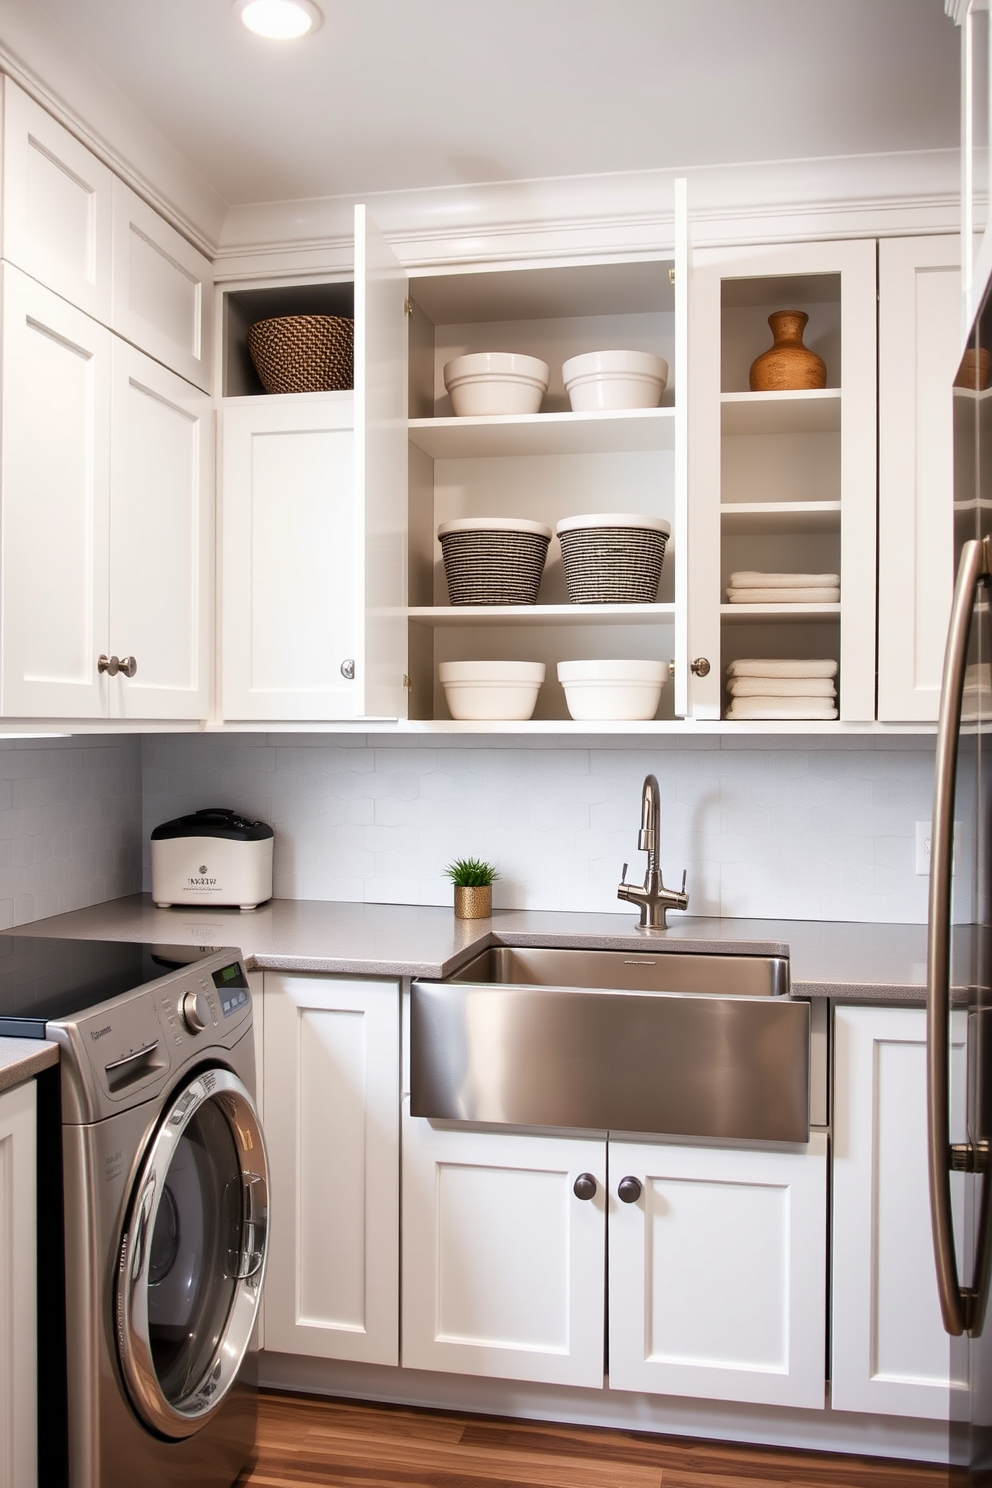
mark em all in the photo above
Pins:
pixel 192 1255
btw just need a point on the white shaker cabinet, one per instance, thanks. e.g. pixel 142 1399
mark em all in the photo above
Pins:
pixel 890 1353
pixel 106 520
pixel 331 1081
pixel 717 1274
pixel 503 1263
pixel 313 528
pixel 18 1317
pixel 919 347
pixel 58 206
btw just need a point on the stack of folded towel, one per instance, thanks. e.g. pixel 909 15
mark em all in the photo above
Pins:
pixel 748 587
pixel 782 689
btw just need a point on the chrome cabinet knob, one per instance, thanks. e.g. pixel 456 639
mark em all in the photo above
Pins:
pixel 114 664
pixel 348 670
pixel 700 667
pixel 584 1186
pixel 195 1010
pixel 629 1190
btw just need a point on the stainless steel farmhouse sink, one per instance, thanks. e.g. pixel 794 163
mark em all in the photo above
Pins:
pixel 665 1043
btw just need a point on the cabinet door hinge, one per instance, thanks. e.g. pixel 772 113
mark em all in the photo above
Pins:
pixel 671 276
pixel 407 682
pixel 408 305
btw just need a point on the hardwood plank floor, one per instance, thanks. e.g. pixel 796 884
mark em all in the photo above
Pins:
pixel 307 1440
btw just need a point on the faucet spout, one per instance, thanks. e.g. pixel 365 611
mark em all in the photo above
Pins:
pixel 653 898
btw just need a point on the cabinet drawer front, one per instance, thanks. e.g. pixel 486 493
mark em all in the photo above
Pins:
pixel 502 1262
pixel 57 206
pixel 717 1273
pixel 162 289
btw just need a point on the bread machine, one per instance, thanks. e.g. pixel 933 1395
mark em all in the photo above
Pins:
pixel 212 857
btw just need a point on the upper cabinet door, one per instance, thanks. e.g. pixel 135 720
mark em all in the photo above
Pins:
pixel 54 470
pixel 162 289
pixel 381 465
pixel 161 539
pixel 57 206
pixel 680 526
pixel 918 351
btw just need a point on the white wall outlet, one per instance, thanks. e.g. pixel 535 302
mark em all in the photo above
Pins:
pixel 923 847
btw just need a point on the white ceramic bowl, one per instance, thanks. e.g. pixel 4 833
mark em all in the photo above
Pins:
pixel 491 689
pixel 486 382
pixel 598 380
pixel 613 689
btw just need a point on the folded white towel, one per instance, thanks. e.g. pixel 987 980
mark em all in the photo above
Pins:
pixel 781 666
pixel 770 707
pixel 748 578
pixel 783 596
pixel 783 687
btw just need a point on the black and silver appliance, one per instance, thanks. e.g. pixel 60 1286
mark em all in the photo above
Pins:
pixel 153 1209
pixel 960 936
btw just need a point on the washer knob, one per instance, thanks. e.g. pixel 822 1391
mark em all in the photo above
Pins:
pixel 195 1009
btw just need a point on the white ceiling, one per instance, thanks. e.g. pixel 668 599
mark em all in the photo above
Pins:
pixel 394 94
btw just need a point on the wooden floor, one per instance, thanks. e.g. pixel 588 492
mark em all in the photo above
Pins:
pixel 303 1439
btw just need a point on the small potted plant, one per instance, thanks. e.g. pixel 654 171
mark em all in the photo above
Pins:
pixel 473 880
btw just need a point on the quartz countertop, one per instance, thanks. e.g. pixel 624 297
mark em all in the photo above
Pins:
pixel 20 1059
pixel 844 960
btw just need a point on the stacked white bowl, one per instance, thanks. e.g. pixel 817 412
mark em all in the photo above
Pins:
pixel 488 382
pixel 628 690
pixel 492 690
pixel 599 380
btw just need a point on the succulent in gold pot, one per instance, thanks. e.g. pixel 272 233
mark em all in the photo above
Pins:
pixel 473 880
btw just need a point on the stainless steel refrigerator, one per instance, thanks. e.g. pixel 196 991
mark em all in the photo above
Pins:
pixel 959 970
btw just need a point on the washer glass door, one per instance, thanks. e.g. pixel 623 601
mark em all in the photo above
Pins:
pixel 192 1255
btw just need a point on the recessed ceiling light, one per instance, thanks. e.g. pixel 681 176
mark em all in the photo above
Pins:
pixel 279 20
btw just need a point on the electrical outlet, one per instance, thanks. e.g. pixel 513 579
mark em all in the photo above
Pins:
pixel 923 847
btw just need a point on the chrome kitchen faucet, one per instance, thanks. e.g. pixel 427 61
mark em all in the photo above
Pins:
pixel 654 899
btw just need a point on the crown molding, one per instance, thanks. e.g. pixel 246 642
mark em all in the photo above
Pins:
pixel 37 55
pixel 625 213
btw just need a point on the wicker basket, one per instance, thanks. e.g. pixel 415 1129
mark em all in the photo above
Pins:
pixel 493 561
pixel 613 558
pixel 304 353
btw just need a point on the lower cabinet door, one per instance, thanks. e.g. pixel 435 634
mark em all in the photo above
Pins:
pixel 503 1263
pixel 331 1082
pixel 18 1317
pixel 717 1272
pixel 890 1354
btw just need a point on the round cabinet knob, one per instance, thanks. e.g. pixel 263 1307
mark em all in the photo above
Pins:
pixel 700 667
pixel 629 1190
pixel 195 1010
pixel 584 1186
pixel 128 665
pixel 109 664
pixel 348 670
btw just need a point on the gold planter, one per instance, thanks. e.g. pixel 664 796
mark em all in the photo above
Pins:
pixel 474 904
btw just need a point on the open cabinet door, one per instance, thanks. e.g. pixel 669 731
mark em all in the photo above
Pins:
pixel 682 674
pixel 381 467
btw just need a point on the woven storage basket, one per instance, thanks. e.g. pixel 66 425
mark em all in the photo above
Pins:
pixel 493 561
pixel 304 353
pixel 613 559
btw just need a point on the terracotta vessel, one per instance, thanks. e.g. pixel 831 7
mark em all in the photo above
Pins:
pixel 975 369
pixel 474 903
pixel 788 365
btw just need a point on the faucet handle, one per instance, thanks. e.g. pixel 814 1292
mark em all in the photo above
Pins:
pixel 623 872
pixel 684 872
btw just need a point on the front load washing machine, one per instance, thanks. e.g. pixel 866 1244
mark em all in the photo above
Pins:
pixel 164 1189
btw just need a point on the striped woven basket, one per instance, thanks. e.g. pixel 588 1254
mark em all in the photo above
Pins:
pixel 304 353
pixel 488 566
pixel 612 565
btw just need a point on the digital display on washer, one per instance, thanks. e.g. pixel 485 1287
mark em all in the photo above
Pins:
pixel 230 983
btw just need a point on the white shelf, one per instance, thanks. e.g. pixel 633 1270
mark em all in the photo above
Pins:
pixel 816 411
pixel 440 616
pixel 782 614
pixel 760 517
pixel 545 434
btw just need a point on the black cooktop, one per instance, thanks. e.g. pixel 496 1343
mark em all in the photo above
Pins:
pixel 45 978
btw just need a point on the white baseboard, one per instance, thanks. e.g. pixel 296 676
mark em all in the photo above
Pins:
pixel 822 1431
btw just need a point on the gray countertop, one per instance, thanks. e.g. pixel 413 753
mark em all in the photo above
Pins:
pixel 22 1058
pixel 850 961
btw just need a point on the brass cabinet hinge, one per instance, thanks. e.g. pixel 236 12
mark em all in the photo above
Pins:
pixel 408 305
pixel 407 682
pixel 671 276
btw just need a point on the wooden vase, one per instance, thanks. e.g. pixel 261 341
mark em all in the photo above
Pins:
pixel 474 903
pixel 788 365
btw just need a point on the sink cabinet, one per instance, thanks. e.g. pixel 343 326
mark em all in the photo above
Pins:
pixel 18 1317
pixel 715 1283
pixel 330 1072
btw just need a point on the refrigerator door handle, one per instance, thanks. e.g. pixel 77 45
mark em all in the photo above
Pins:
pixel 957 1303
